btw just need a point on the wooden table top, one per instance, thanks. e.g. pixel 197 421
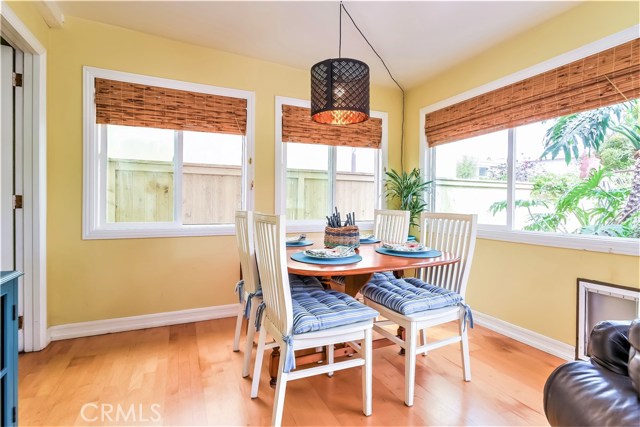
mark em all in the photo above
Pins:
pixel 372 262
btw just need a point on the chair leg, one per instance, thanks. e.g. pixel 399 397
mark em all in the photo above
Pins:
pixel 236 337
pixel 257 367
pixel 281 387
pixel 411 336
pixel 330 358
pixel 248 347
pixel 464 350
pixel 367 373
pixel 423 333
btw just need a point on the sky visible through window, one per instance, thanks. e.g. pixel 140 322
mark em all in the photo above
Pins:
pixel 150 144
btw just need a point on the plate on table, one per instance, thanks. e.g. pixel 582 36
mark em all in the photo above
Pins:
pixel 408 247
pixel 299 243
pixel 368 238
pixel 337 252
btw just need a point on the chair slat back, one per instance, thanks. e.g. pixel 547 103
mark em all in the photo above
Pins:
pixel 455 233
pixel 271 255
pixel 244 238
pixel 391 226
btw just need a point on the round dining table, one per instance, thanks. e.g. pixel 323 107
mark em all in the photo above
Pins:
pixel 358 274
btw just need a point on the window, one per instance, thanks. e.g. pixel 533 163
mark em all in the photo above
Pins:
pixel 563 182
pixel 171 180
pixel 571 132
pixel 460 186
pixel 318 177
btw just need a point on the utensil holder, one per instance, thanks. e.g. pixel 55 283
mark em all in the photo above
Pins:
pixel 342 236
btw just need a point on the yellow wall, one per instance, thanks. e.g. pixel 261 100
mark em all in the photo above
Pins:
pixel 531 286
pixel 102 279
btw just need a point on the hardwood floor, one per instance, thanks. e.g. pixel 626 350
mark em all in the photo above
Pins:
pixel 188 375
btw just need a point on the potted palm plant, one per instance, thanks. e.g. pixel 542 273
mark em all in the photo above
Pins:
pixel 409 189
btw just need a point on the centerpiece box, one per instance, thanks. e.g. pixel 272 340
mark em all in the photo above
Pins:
pixel 342 236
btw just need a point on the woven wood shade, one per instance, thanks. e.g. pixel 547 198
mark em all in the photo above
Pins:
pixel 599 80
pixel 131 104
pixel 297 126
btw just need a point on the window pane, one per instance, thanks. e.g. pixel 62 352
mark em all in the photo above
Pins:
pixel 355 181
pixel 139 174
pixel 307 181
pixel 211 177
pixel 586 191
pixel 471 176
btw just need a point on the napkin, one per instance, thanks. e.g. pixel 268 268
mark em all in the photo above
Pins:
pixel 406 247
pixel 337 252
pixel 299 238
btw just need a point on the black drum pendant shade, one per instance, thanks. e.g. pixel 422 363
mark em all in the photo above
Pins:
pixel 340 91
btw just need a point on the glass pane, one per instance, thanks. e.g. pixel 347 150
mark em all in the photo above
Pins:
pixel 355 181
pixel 586 190
pixel 307 181
pixel 211 177
pixel 471 177
pixel 139 174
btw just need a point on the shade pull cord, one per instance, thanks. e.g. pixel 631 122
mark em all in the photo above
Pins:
pixel 390 75
pixel 616 87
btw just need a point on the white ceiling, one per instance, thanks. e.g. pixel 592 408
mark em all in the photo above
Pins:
pixel 417 39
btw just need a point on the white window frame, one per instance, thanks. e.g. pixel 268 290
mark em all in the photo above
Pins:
pixel 94 223
pixel 281 169
pixel 614 245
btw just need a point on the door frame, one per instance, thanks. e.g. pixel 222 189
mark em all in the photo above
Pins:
pixel 34 169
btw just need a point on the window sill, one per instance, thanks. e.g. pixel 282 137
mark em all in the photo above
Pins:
pixel 621 246
pixel 144 231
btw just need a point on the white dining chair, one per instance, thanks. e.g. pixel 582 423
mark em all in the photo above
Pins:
pixel 299 320
pixel 249 291
pixel 437 298
pixel 391 226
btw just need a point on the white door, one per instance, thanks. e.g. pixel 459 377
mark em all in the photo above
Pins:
pixel 11 220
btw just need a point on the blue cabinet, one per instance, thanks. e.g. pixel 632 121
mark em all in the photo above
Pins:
pixel 9 354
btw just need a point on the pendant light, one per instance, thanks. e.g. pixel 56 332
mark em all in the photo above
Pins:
pixel 340 89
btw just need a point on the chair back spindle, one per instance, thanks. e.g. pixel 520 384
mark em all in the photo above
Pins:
pixel 272 264
pixel 391 226
pixel 244 238
pixel 455 233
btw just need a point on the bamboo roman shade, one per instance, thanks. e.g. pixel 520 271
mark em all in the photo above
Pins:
pixel 132 104
pixel 297 126
pixel 599 80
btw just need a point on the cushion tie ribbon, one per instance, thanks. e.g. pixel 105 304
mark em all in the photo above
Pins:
pixel 259 312
pixel 247 307
pixel 240 290
pixel 468 316
pixel 290 357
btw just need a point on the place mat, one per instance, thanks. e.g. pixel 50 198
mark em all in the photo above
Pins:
pixel 300 243
pixel 301 257
pixel 428 254
pixel 365 241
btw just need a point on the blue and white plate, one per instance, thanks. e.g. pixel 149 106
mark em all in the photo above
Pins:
pixel 300 243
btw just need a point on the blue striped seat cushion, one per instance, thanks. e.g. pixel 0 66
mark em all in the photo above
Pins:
pixel 318 309
pixel 303 283
pixel 408 295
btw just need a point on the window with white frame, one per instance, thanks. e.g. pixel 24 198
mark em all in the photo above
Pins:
pixel 315 178
pixel 152 173
pixel 587 190
pixel 562 168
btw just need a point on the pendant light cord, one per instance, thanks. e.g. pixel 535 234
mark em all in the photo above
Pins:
pixel 388 71
pixel 340 33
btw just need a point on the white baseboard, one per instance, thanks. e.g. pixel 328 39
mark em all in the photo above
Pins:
pixel 534 339
pixel 121 324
